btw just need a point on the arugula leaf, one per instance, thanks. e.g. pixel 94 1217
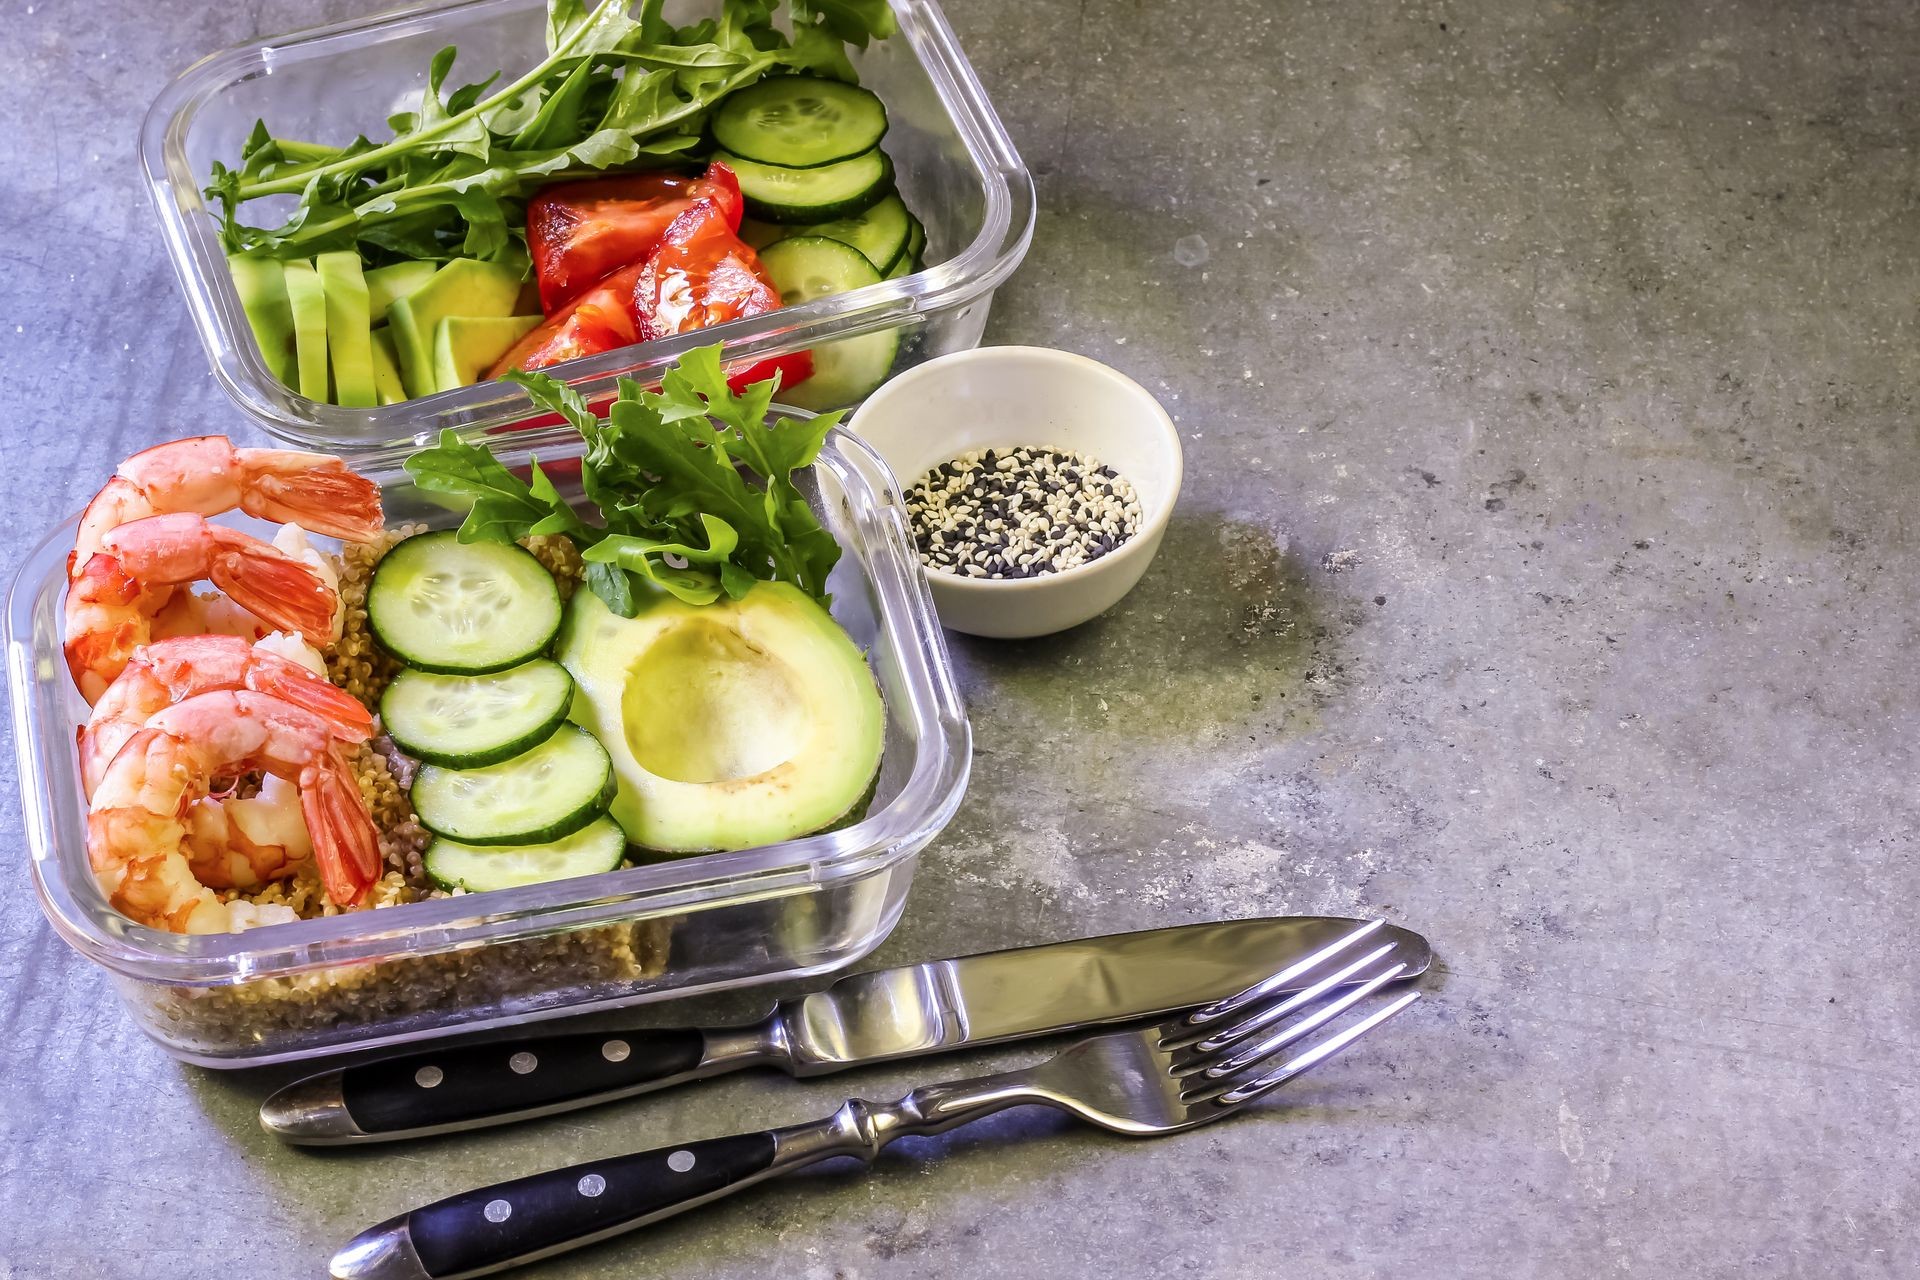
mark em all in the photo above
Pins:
pixel 505 507
pixel 557 124
pixel 693 484
pixel 802 552
pixel 452 128
pixel 615 89
pixel 647 558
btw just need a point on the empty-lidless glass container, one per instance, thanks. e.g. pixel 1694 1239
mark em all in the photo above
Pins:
pixel 669 928
pixel 956 169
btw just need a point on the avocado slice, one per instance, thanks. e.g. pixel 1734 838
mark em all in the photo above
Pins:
pixel 734 724
pixel 464 287
pixel 308 299
pixel 349 347
pixel 387 386
pixel 262 286
pixel 388 284
pixel 465 347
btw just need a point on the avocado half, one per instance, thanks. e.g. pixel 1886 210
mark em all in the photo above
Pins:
pixel 734 724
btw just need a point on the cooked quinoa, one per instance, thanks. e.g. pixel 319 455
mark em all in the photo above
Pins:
pixel 357 664
pixel 530 973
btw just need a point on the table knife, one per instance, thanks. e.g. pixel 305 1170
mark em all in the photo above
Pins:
pixel 861 1019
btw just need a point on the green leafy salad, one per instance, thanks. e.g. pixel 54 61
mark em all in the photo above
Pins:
pixel 667 484
pixel 697 697
pixel 620 88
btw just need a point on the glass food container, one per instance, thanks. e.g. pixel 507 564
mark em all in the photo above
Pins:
pixel 956 169
pixel 405 972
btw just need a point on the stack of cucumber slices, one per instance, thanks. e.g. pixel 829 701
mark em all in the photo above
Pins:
pixel 513 793
pixel 823 212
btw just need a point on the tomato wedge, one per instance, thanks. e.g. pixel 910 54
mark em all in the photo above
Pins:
pixel 699 274
pixel 702 275
pixel 598 320
pixel 581 232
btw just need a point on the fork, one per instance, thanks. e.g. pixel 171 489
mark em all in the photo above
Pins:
pixel 1195 1069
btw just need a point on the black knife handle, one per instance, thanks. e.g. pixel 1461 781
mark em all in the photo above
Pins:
pixel 515 1221
pixel 487 1083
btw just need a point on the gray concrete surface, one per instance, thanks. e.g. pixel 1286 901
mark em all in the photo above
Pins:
pixel 1545 577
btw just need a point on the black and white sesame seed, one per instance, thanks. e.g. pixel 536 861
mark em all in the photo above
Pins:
pixel 1019 513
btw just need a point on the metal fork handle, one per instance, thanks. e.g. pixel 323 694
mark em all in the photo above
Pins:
pixel 510 1223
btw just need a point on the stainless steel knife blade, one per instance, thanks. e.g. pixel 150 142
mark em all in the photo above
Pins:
pixel 1056 986
pixel 867 1017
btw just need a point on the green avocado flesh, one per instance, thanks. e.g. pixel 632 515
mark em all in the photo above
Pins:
pixel 262 285
pixel 465 347
pixel 731 725
pixel 464 287
pixel 387 386
pixel 308 299
pixel 387 285
pixel 348 345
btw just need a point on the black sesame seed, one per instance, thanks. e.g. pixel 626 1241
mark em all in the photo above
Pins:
pixel 1021 513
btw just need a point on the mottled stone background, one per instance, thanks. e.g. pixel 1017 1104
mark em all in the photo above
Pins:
pixel 1544 578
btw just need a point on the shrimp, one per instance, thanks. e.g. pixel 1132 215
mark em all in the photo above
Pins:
pixel 136 833
pixel 191 613
pixel 113 606
pixel 207 476
pixel 234 841
pixel 112 598
pixel 169 671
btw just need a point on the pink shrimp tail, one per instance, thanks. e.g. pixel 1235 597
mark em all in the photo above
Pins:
pixel 275 586
pixel 346 845
pixel 182 547
pixel 192 664
pixel 291 682
pixel 316 492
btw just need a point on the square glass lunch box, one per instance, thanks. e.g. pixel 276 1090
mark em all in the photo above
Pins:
pixel 956 169
pixel 668 928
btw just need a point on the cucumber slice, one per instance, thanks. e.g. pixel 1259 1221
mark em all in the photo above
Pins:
pixel 468 721
pixel 759 235
pixel 807 267
pixel 882 233
pixel 599 846
pixel 914 256
pixel 463 608
pixel 838 190
pixel 539 795
pixel 799 122
pixel 847 369
pixel 917 243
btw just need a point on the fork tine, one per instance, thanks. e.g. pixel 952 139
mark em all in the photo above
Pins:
pixel 1218 1040
pixel 1248 1091
pixel 1219 1009
pixel 1245 1055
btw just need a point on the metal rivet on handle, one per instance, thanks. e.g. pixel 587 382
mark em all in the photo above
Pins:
pixel 615 1050
pixel 427 1077
pixel 680 1161
pixel 592 1185
pixel 522 1063
pixel 497 1211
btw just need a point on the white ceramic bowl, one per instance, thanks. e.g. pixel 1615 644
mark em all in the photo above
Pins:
pixel 1006 398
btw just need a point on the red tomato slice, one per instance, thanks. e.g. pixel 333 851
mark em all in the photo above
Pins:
pixel 598 320
pixel 701 275
pixel 581 232
pixel 794 367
